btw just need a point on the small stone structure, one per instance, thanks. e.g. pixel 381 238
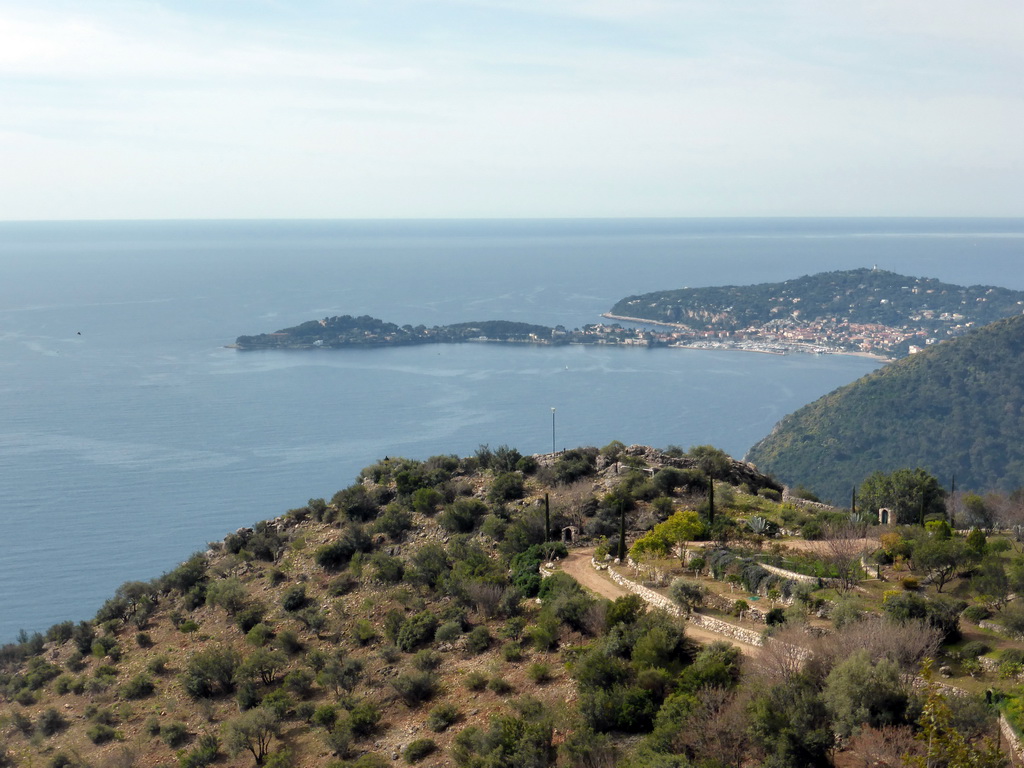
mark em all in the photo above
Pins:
pixel 569 534
pixel 884 516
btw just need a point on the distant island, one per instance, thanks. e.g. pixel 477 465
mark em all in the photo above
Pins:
pixel 861 311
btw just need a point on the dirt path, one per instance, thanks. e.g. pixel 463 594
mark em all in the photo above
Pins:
pixel 577 565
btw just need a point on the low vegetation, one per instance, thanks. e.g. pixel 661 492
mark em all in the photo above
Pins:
pixel 422 616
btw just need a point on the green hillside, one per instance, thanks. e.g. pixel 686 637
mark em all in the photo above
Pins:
pixel 956 408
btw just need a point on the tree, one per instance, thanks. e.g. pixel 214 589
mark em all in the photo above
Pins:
pixel 263 665
pixel 944 744
pixel 253 731
pixel 842 547
pixel 911 494
pixel 941 558
pixel 689 594
pixel 679 529
pixel 859 692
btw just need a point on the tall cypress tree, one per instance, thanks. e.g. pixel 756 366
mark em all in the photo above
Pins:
pixel 622 531
pixel 711 500
pixel 547 519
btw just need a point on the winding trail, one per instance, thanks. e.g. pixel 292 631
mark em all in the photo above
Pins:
pixel 577 565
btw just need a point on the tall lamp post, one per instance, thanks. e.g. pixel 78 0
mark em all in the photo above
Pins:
pixel 552 431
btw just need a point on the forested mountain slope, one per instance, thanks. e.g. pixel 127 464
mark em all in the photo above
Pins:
pixel 956 408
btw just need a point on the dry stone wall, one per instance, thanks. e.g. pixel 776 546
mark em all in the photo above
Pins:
pixel 709 623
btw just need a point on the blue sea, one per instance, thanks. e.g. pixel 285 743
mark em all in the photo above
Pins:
pixel 130 436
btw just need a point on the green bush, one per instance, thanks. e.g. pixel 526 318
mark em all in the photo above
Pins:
pixel 442 717
pixel 507 486
pixel 478 640
pixel 418 750
pixel 211 672
pixel 974 649
pixel 475 681
pixel 448 631
pixel 174 735
pixel 539 672
pixel 427 660
pixel 363 718
pixel 259 635
pixel 139 687
pixel 325 716
pixel 99 733
pixel 416 631
pixel 500 686
pixel 416 688
pixel 50 721
pixel 294 598
pixel 363 632
pixel 976 613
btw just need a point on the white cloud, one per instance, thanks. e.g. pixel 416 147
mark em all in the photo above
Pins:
pixel 580 108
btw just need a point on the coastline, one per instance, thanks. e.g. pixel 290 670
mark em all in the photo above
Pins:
pixel 765 348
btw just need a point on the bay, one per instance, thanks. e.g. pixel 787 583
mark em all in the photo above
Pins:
pixel 130 436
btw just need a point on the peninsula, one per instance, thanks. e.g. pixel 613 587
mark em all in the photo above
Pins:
pixel 868 311
pixel 347 332
pixel 861 311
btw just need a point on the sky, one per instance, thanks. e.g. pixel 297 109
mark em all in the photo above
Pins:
pixel 238 109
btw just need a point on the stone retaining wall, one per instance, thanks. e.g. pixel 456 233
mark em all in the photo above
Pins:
pixel 1013 745
pixel 802 577
pixel 711 624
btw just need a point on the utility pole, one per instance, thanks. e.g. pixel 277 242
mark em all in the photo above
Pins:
pixel 552 431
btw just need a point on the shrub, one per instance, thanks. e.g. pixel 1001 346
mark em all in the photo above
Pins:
pixel 294 598
pixel 539 673
pixel 289 642
pixel 416 631
pixel 475 681
pixel 158 664
pixel 363 718
pixel 478 640
pixel 427 660
pixel 442 717
pixel 415 688
pixel 363 632
pixel 325 716
pixel 138 687
pixel 507 486
pixel 976 613
pixel 500 686
pixel 448 631
pixel 299 682
pixel 512 652
pixel 462 515
pixel 174 735
pixel 211 672
pixel 50 722
pixel 259 635
pixel 418 749
pixel 974 649
pixel 100 733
